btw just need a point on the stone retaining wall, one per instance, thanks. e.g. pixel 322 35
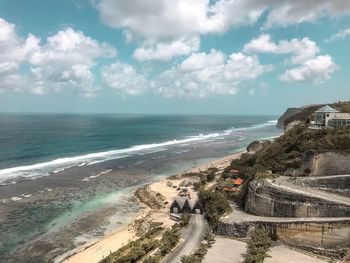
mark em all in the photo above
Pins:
pixel 264 199
pixel 324 238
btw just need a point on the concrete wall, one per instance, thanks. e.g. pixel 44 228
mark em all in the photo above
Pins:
pixel 264 199
pixel 327 238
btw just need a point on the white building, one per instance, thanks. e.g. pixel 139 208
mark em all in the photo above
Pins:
pixel 329 117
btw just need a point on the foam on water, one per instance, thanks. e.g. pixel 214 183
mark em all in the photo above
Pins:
pixel 60 164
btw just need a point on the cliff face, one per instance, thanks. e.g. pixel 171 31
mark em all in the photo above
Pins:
pixel 331 163
pixel 329 238
pixel 320 164
pixel 289 112
pixel 266 199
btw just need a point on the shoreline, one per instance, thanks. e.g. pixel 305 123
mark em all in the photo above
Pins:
pixel 98 250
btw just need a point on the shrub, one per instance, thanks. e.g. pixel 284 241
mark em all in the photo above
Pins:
pixel 185 218
pixel 258 247
pixel 151 259
pixel 215 205
pixel 169 240
pixel 210 176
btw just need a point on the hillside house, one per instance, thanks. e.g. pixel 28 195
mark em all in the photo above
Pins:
pixel 328 117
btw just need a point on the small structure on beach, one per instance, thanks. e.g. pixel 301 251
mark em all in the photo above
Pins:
pixel 184 205
pixel 175 207
pixel 328 117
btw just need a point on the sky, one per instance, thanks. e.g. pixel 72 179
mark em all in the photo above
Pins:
pixel 172 56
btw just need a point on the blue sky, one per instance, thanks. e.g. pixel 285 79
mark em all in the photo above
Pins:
pixel 172 56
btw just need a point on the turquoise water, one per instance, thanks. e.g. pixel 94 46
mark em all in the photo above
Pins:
pixel 35 145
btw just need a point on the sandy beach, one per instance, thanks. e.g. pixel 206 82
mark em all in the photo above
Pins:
pixel 111 243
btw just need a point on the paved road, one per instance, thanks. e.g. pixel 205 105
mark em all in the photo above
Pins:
pixel 192 235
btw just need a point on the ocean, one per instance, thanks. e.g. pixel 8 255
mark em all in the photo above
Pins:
pixel 76 173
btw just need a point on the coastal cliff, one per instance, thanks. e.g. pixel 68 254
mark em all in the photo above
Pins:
pixel 281 123
pixel 297 186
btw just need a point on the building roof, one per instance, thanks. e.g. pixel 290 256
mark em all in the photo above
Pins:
pixel 238 181
pixel 326 109
pixel 181 201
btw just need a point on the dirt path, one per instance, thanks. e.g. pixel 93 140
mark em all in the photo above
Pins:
pixel 285 183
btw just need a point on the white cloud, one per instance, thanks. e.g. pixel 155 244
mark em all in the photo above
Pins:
pixel 339 36
pixel 199 75
pixel 316 70
pixel 302 49
pixel 124 79
pixel 165 26
pixel 173 19
pixel 313 68
pixel 151 50
pixel 161 18
pixel 203 74
pixel 199 61
pixel 290 12
pixel 14 51
pixel 65 60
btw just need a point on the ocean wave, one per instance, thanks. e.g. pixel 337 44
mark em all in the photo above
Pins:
pixel 61 164
pixel 254 127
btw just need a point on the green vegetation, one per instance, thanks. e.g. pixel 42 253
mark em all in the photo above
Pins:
pixel 215 205
pixel 185 218
pixel 135 250
pixel 291 149
pixel 258 247
pixel 169 240
pixel 148 243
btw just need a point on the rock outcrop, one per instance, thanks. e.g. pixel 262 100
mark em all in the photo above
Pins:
pixel 331 163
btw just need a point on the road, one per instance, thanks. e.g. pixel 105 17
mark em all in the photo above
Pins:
pixel 192 235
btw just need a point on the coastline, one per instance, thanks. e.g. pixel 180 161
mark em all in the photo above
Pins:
pixel 97 251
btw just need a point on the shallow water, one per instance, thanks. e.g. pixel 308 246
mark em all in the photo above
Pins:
pixel 42 217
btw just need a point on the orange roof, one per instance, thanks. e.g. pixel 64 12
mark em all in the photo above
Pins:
pixel 234 171
pixel 238 181
pixel 230 189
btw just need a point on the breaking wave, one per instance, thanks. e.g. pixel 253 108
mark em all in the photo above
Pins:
pixel 61 164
